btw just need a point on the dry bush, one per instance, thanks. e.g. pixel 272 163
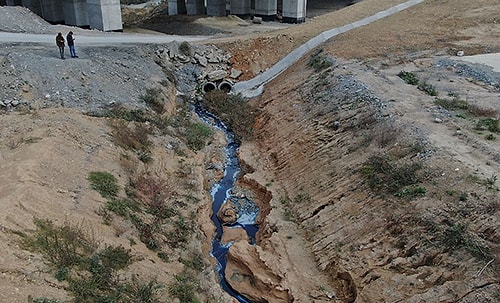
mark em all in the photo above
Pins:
pixel 387 134
pixel 481 111
pixel 132 136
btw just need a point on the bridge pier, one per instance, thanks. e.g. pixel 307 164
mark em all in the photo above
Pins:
pixel 50 10
pixel 103 15
pixel 294 11
pixel 75 13
pixel 176 7
pixel 195 7
pixel 216 8
pixel 241 7
pixel 266 9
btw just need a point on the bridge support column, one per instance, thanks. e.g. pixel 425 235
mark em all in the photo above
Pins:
pixel 241 7
pixel 105 15
pixel 176 7
pixel 50 10
pixel 75 13
pixel 34 6
pixel 294 11
pixel 14 2
pixel 195 7
pixel 216 8
pixel 266 9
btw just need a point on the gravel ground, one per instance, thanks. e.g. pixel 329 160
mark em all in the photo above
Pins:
pixel 34 75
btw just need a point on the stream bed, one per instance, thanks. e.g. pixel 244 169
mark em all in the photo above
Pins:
pixel 221 193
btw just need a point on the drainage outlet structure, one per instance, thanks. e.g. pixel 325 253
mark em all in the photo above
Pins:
pixel 225 86
pixel 208 87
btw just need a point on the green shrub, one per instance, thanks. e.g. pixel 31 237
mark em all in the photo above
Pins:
pixel 490 124
pixel 411 192
pixel 197 135
pixel 141 292
pixel 318 61
pixel 408 77
pixel 184 288
pixel 104 182
pixel 427 88
pixel 233 110
pixel 455 237
pixel 91 274
pixel 120 112
pixel 490 137
pixel 65 246
pixel 453 104
pixel 382 175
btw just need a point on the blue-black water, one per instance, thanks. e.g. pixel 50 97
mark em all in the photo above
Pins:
pixel 221 193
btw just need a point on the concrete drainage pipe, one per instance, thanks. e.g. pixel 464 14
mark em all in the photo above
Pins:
pixel 208 87
pixel 226 86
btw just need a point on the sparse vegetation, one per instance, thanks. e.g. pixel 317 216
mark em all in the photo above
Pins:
pixel 455 237
pixel 411 78
pixel 104 182
pixel 489 124
pixel 184 287
pixel 319 61
pixel 133 136
pixel 91 273
pixel 427 88
pixel 411 192
pixel 233 110
pixel 152 99
pixel 382 175
pixel 452 104
pixel 288 213
pixel 43 300
pixel 408 77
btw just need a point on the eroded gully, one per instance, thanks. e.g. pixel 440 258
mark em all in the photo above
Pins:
pixel 222 192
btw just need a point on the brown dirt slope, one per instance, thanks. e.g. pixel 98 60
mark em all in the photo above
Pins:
pixel 339 144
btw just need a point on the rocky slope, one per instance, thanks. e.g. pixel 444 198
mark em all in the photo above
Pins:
pixel 371 189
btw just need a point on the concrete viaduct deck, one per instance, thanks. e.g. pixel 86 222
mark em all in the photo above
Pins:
pixel 105 15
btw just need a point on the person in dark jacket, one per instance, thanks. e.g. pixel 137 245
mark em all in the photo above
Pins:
pixel 71 44
pixel 60 43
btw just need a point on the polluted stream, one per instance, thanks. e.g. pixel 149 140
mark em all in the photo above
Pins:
pixel 221 193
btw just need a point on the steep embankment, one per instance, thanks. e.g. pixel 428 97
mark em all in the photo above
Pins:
pixel 394 187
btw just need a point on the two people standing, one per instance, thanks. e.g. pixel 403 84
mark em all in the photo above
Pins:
pixel 60 42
